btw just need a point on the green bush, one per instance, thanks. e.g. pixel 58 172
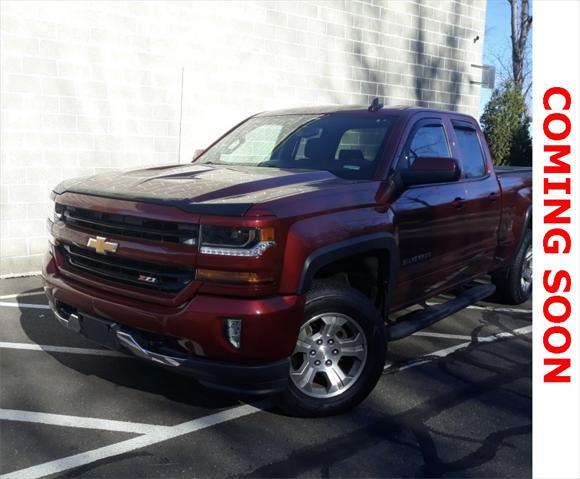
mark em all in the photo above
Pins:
pixel 506 125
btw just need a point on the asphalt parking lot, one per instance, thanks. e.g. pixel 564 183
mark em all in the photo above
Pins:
pixel 454 401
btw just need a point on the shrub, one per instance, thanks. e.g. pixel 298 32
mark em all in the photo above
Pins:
pixel 506 125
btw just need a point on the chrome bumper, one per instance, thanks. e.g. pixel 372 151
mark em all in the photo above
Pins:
pixel 238 378
pixel 132 344
pixel 127 340
pixel 71 322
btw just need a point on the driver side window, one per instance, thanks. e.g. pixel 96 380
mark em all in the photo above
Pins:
pixel 427 140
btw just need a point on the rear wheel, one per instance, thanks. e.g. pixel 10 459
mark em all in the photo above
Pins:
pixel 339 354
pixel 514 283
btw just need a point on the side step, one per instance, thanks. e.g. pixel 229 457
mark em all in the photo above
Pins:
pixel 418 320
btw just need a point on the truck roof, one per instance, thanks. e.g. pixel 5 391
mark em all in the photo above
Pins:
pixel 401 110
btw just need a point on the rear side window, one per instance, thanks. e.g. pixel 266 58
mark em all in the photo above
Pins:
pixel 470 152
pixel 428 140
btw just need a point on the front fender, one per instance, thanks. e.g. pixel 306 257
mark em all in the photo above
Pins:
pixel 326 255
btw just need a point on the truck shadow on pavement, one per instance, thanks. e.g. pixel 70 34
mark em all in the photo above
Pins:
pixel 504 382
pixel 129 372
pixel 481 375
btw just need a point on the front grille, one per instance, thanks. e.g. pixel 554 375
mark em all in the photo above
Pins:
pixel 129 226
pixel 121 270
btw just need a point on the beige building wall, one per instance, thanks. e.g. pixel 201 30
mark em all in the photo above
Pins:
pixel 90 86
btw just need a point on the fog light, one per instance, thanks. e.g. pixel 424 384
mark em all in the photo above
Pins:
pixel 233 332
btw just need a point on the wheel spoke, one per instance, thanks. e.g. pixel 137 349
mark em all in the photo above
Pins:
pixel 305 380
pixel 357 352
pixel 336 378
pixel 355 341
pixel 527 275
pixel 303 346
pixel 298 373
pixel 331 325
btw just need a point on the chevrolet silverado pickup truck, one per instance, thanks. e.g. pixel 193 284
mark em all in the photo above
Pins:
pixel 273 263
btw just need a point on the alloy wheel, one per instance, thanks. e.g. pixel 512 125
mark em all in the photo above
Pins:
pixel 526 277
pixel 330 355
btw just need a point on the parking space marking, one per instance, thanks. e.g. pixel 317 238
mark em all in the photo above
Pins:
pixel 496 309
pixel 427 358
pixel 63 349
pixel 153 434
pixel 21 295
pixel 427 334
pixel 123 447
pixel 499 309
pixel 24 305
pixel 80 422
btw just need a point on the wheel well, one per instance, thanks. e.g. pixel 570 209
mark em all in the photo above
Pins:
pixel 366 272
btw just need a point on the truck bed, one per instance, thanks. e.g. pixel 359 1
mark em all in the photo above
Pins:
pixel 506 170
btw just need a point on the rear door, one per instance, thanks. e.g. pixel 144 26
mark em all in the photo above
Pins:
pixel 482 195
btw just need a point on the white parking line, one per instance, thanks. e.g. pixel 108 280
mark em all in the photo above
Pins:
pixel 427 334
pixel 123 447
pixel 153 434
pixel 500 309
pixel 171 432
pixel 62 349
pixel 24 305
pixel 497 309
pixel 21 295
pixel 80 422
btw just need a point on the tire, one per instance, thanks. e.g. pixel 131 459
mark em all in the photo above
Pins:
pixel 514 283
pixel 337 318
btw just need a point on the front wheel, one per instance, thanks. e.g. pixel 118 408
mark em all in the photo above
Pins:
pixel 339 354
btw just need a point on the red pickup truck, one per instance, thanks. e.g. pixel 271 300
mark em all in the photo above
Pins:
pixel 273 263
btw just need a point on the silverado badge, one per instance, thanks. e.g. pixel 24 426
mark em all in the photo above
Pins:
pixel 101 245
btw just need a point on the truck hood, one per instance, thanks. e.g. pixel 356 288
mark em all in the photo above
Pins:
pixel 204 189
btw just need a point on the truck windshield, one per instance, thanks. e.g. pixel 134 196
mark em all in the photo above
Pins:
pixel 345 145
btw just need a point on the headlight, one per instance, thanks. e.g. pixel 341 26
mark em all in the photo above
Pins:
pixel 226 241
pixel 56 210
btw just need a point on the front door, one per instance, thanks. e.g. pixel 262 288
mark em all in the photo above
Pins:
pixel 430 221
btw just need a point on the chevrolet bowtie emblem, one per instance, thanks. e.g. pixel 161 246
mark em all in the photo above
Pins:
pixel 101 245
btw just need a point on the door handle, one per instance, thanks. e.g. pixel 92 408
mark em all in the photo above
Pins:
pixel 458 203
pixel 493 197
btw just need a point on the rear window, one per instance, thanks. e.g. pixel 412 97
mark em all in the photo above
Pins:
pixel 470 152
pixel 360 143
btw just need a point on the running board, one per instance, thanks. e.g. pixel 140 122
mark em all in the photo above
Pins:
pixel 418 320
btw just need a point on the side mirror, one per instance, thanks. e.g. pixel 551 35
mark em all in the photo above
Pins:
pixel 197 153
pixel 426 170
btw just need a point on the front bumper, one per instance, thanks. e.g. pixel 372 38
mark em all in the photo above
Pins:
pixel 189 338
pixel 263 378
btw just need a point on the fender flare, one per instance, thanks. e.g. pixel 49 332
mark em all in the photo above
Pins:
pixel 350 247
pixel 527 223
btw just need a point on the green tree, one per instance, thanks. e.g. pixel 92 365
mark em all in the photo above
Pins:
pixel 506 125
